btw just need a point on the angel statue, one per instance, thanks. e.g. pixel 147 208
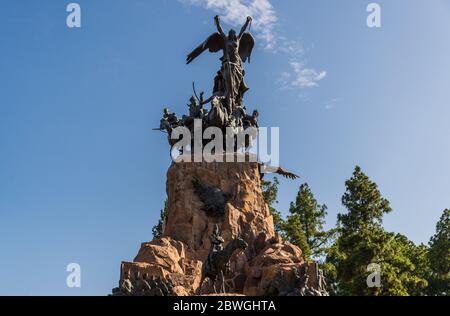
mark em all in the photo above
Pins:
pixel 237 49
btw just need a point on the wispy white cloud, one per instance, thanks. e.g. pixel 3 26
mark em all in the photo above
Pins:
pixel 234 12
pixel 300 76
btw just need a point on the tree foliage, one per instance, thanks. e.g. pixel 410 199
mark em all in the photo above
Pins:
pixel 363 241
pixel 366 207
pixel 270 194
pixel 439 256
pixel 305 224
pixel 158 229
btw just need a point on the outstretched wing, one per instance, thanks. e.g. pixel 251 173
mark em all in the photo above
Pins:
pixel 287 174
pixel 246 46
pixel 214 43
pixel 278 170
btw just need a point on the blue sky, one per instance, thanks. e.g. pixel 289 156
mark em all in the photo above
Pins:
pixel 82 176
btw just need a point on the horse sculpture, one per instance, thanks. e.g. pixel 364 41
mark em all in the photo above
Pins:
pixel 215 266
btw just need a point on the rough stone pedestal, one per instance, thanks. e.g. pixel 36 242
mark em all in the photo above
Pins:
pixel 178 256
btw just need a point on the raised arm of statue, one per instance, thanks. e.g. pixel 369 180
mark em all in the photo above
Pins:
pixel 219 27
pixel 244 28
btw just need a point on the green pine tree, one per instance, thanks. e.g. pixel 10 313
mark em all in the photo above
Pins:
pixel 363 241
pixel 304 225
pixel 366 207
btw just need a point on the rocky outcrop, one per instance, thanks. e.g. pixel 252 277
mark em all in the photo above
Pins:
pixel 267 267
pixel 272 271
pixel 168 259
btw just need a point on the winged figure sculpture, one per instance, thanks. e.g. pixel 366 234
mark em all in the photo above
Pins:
pixel 237 49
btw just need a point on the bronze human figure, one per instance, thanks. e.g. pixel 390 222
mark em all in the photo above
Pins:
pixel 217 261
pixel 125 288
pixel 237 49
pixel 218 115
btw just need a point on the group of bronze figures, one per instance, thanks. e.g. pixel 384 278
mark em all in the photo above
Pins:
pixel 217 266
pixel 300 286
pixel 143 286
pixel 227 100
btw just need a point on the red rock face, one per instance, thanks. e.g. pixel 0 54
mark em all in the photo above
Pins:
pixel 179 255
pixel 246 212
pixel 170 260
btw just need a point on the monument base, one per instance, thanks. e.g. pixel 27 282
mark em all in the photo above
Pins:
pixel 267 267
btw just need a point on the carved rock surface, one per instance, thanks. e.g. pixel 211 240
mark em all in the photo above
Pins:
pixel 246 211
pixel 274 260
pixel 170 260
pixel 178 256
